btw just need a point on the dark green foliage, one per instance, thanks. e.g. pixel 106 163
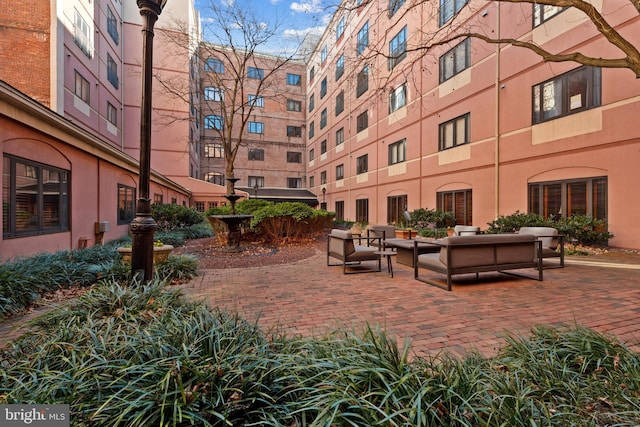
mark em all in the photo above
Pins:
pixel 512 223
pixel 580 229
pixel 171 216
pixel 290 221
pixel 141 355
pixel 24 280
pixel 423 218
pixel 243 207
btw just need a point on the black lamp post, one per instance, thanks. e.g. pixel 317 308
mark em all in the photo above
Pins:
pixel 255 190
pixel 143 226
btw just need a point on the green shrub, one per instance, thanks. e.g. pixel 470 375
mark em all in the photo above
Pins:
pixel 290 221
pixel 512 223
pixel 579 229
pixel 172 216
pixel 423 218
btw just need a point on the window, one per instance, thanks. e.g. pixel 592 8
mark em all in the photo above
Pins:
pixel 312 154
pixel 398 152
pixel 35 198
pixel 82 34
pixel 112 26
pixel 339 136
pixel 398 48
pixel 256 154
pixel 213 122
pixel 394 6
pixel 294 79
pixel 572 92
pixel 312 102
pixel 294 131
pixel 112 114
pixel 312 130
pixel 112 71
pixel 323 54
pixel 362 210
pixel 214 65
pixel 312 181
pixel 256 180
pixel 82 87
pixel 294 157
pixel 396 207
pixel 362 164
pixel 294 182
pixel 398 98
pixel 255 127
pixel 255 101
pixel 362 81
pixel 363 38
pixel 340 103
pixel 459 203
pixel 213 94
pixel 587 196
pixel 126 204
pixel 323 118
pixel 544 12
pixel 340 172
pixel 215 151
pixel 454 132
pixel 323 88
pixel 293 105
pixel 323 146
pixel 449 8
pixel 455 60
pixel 157 199
pixel 312 73
pixel 200 206
pixel 340 27
pixel 323 177
pixel 340 67
pixel 339 210
pixel 255 73
pixel 362 121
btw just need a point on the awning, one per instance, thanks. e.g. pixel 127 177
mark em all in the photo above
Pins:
pixel 282 195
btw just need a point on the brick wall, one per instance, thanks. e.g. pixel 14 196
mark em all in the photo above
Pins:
pixel 24 47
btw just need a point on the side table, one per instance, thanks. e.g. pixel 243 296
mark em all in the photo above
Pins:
pixel 388 255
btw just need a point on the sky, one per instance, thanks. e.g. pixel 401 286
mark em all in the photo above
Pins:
pixel 293 19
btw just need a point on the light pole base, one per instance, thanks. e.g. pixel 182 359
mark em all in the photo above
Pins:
pixel 142 229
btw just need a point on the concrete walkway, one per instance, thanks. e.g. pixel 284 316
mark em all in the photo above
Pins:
pixel 309 298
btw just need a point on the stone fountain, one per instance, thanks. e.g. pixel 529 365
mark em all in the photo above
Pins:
pixel 233 221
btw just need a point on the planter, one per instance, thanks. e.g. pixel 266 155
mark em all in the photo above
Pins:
pixel 405 234
pixel 160 253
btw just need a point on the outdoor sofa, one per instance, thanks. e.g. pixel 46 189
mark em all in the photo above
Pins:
pixel 479 253
pixel 552 243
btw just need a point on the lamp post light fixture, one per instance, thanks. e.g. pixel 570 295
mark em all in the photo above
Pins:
pixel 255 190
pixel 143 226
pixel 324 191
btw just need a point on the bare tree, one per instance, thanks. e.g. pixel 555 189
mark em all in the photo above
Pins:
pixel 459 24
pixel 234 76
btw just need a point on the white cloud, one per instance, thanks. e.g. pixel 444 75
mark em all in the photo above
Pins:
pixel 227 3
pixel 274 2
pixel 292 34
pixel 306 6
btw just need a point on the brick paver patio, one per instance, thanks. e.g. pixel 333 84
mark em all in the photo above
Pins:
pixel 307 298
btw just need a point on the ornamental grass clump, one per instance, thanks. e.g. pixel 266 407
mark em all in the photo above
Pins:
pixel 142 355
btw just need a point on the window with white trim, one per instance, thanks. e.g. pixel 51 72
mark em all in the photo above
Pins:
pixel 255 127
pixel 398 98
pixel 213 94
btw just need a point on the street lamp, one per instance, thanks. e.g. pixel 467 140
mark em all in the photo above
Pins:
pixel 324 191
pixel 143 226
pixel 255 190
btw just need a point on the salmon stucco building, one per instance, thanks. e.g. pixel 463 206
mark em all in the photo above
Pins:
pixel 479 129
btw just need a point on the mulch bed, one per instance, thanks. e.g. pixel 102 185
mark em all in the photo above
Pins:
pixel 212 255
